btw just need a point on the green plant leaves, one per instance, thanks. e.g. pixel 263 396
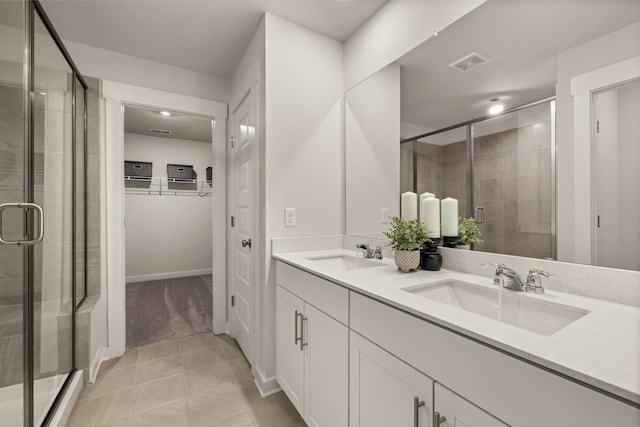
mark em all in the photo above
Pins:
pixel 406 235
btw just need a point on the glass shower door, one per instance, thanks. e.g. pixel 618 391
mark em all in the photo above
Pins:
pixel 512 182
pixel 54 262
pixel 12 218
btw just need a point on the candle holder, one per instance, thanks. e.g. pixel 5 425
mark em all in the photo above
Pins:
pixel 430 259
pixel 450 241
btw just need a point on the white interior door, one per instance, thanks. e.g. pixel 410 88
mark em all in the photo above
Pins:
pixel 243 122
pixel 616 159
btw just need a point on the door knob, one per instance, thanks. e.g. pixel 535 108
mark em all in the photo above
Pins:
pixel 246 243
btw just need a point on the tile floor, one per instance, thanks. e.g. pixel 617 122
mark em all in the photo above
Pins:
pixel 201 380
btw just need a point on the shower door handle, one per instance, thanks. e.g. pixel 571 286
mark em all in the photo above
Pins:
pixel 479 217
pixel 25 206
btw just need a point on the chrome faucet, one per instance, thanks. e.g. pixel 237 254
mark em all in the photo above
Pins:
pixel 368 252
pixel 510 279
pixel 506 277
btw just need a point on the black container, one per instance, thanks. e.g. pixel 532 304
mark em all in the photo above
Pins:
pixel 180 172
pixel 430 259
pixel 209 174
pixel 138 170
pixel 450 241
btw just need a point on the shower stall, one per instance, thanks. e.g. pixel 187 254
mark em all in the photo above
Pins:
pixel 42 214
pixel 501 169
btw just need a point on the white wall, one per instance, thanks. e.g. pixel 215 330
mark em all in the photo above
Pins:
pixel 372 110
pixel 394 30
pixel 167 235
pixel 301 151
pixel 606 50
pixel 118 67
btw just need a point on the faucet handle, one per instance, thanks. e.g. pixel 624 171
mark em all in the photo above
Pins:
pixel 491 264
pixel 362 246
pixel 534 281
pixel 538 270
pixel 377 253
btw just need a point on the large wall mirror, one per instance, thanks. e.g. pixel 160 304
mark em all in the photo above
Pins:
pixel 520 166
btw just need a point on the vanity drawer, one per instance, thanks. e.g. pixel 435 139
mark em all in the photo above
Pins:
pixel 323 294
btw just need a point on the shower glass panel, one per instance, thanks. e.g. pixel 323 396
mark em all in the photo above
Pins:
pixel 53 258
pixel 442 166
pixel 512 185
pixel 12 190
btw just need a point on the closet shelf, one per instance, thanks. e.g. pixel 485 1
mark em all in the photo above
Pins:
pixel 167 186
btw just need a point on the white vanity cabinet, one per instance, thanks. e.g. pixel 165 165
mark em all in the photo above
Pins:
pixel 312 346
pixel 454 411
pixel 516 392
pixel 384 390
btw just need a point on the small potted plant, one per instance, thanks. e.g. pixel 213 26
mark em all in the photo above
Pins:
pixel 407 237
pixel 469 233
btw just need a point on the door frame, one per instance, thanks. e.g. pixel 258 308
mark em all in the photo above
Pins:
pixel 117 95
pixel 248 87
pixel 583 87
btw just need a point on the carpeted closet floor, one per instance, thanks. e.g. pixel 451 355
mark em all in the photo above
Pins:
pixel 160 310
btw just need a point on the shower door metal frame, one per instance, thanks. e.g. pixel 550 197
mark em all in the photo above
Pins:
pixel 470 152
pixel 31 8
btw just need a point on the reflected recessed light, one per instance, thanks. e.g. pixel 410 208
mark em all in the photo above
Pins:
pixel 496 107
pixel 165 113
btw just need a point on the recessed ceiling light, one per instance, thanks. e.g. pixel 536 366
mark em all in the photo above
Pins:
pixel 165 113
pixel 496 106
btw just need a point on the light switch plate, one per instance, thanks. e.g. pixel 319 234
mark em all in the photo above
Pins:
pixel 384 215
pixel 289 217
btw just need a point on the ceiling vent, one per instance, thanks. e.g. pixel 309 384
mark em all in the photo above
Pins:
pixel 160 131
pixel 469 62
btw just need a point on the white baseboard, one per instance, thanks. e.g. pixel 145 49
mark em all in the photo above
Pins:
pixel 61 417
pixel 168 275
pixel 94 367
pixel 268 386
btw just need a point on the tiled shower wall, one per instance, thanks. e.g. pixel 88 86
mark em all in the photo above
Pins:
pixel 512 171
pixel 512 182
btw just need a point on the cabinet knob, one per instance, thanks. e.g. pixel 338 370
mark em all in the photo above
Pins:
pixel 246 243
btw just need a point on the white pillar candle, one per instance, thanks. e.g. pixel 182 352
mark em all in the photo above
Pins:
pixel 423 196
pixel 409 205
pixel 449 214
pixel 430 215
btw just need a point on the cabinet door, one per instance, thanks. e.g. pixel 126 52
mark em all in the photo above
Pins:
pixel 383 388
pixel 326 370
pixel 460 412
pixel 289 353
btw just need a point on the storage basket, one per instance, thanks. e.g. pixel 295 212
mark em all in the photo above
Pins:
pixel 139 170
pixel 180 172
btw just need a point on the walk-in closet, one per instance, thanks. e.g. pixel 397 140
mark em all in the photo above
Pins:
pixel 168 224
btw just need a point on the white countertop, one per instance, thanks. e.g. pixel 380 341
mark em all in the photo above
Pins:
pixel 601 349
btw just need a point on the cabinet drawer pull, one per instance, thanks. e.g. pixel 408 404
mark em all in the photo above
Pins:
pixel 296 335
pixel 417 404
pixel 438 419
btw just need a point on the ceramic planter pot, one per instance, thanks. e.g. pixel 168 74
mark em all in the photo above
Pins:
pixel 465 247
pixel 407 260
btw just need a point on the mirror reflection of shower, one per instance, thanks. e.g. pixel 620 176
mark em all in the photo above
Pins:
pixel 509 176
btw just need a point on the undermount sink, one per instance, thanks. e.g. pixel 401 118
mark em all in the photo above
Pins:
pixel 346 262
pixel 503 305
